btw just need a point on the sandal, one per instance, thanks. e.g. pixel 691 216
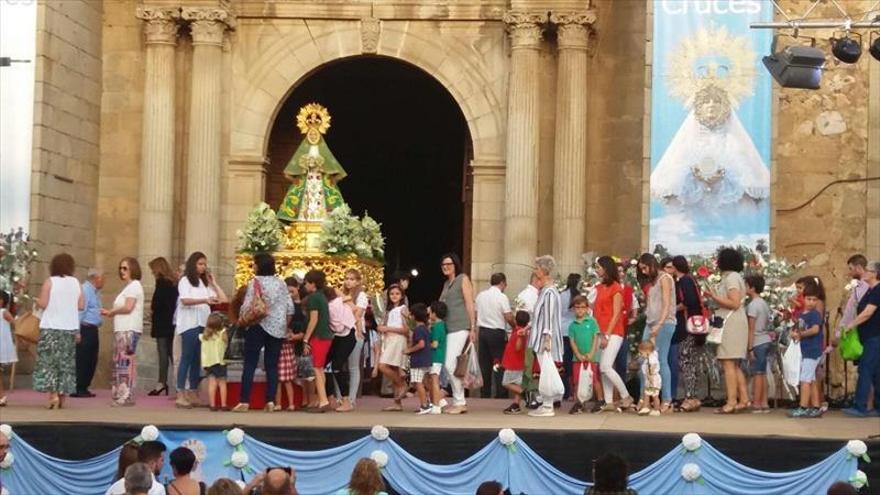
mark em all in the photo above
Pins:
pixel 726 409
pixel 742 407
pixel 393 408
pixel 690 405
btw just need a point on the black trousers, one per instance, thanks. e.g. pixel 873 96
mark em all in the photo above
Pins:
pixel 86 357
pixel 492 342
pixel 340 349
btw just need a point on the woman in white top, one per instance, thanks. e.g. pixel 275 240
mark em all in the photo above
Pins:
pixel 128 323
pixel 357 300
pixel 61 299
pixel 197 291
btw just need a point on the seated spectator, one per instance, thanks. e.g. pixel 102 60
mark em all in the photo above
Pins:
pixel 182 461
pixel 842 488
pixel 224 486
pixel 490 488
pixel 273 481
pixel 138 479
pixel 152 454
pixel 610 476
pixel 127 456
pixel 366 479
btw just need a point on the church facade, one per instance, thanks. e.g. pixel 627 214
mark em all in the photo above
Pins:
pixel 153 122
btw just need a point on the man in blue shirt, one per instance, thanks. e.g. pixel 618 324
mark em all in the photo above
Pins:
pixel 90 321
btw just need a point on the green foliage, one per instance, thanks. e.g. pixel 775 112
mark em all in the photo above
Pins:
pixel 345 233
pixel 17 255
pixel 263 231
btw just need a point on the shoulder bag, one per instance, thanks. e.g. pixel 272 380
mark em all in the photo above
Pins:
pixel 697 324
pixel 461 362
pixel 256 310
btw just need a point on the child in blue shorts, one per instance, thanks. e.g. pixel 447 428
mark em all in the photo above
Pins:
pixel 809 334
pixel 760 341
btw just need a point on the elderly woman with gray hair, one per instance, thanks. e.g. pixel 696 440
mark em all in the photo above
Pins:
pixel 546 334
pixel 868 323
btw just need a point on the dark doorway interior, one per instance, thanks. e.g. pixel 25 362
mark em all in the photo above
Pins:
pixel 404 143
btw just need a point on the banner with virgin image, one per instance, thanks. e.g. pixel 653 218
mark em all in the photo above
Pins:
pixel 710 125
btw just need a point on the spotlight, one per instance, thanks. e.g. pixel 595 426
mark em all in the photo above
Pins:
pixel 414 273
pixel 846 49
pixel 796 66
pixel 874 47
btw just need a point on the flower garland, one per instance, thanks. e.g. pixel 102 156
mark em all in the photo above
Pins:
pixel 507 437
pixel 239 458
pixel 263 231
pixel 149 433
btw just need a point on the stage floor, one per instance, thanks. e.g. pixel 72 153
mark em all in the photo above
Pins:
pixel 27 407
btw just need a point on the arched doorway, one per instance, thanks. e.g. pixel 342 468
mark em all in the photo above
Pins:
pixel 405 145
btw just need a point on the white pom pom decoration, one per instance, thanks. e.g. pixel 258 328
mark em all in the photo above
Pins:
pixel 859 480
pixel 239 459
pixel 380 458
pixel 4 491
pixel 7 461
pixel 149 433
pixel 856 447
pixel 506 437
pixel 691 442
pixel 6 430
pixel 235 437
pixel 380 433
pixel 691 472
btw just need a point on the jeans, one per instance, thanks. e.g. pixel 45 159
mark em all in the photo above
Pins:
pixel 869 374
pixel 340 350
pixel 86 357
pixel 567 358
pixel 255 339
pixel 622 359
pixel 662 344
pixel 190 359
pixel 492 341
pixel 673 368
pixel 455 344
pixel 164 350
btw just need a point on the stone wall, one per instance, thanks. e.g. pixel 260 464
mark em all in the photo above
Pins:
pixel 67 121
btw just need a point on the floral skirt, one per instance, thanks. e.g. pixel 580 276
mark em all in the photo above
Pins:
pixel 55 370
pixel 124 366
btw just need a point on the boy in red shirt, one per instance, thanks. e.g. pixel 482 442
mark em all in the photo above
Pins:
pixel 514 359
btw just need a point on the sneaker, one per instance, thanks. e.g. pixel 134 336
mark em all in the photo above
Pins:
pixel 609 408
pixel 644 411
pixel 269 407
pixel 800 412
pixel 557 404
pixel 653 412
pixel 436 410
pixel 533 404
pixel 814 412
pixel 457 410
pixel 576 408
pixel 426 409
pixel 596 407
pixel 513 409
pixel 241 407
pixel 542 412
pixel 857 413
pixel 823 408
pixel 442 403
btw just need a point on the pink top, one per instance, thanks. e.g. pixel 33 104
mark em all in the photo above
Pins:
pixel 341 318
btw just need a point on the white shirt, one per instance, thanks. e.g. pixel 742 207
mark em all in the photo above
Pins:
pixel 362 302
pixel 528 298
pixel 189 317
pixel 118 488
pixel 62 312
pixel 492 305
pixel 134 321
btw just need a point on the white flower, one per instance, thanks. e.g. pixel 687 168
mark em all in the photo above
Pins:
pixel 7 461
pixel 4 491
pixel 858 480
pixel 239 459
pixel 506 436
pixel 690 472
pixel 6 430
pixel 149 433
pixel 380 457
pixel 691 442
pixel 856 448
pixel 379 432
pixel 235 437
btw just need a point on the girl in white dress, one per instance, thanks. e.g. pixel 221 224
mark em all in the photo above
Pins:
pixel 7 342
pixel 395 337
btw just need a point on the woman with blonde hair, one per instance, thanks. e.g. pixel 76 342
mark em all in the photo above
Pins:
pixel 162 305
pixel 366 479
pixel 356 299
pixel 128 325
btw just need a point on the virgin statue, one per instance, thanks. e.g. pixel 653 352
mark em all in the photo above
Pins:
pixel 313 171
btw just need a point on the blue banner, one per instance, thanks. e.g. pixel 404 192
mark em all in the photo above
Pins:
pixel 710 125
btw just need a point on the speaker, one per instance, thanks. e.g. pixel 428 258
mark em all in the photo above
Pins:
pixel 796 67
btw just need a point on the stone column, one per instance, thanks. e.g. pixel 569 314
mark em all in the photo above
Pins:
pixel 204 171
pixel 569 170
pixel 521 178
pixel 157 142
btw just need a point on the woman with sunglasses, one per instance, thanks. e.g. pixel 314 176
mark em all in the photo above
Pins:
pixel 128 323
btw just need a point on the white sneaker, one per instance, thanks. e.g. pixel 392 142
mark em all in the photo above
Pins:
pixel 644 411
pixel 442 403
pixel 436 410
pixel 542 412
pixel 424 410
pixel 654 412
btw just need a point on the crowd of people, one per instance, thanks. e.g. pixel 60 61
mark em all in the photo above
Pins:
pixel 321 338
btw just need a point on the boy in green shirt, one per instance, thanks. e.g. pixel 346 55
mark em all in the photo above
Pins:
pixel 436 313
pixel 584 345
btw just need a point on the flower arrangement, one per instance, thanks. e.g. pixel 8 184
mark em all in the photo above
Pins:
pixel 858 449
pixel 239 458
pixel 858 480
pixel 148 434
pixel 380 458
pixel 344 233
pixel 691 442
pixel 17 255
pixel 691 472
pixel 379 433
pixel 263 231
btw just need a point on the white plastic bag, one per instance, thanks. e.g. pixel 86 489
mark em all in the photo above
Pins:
pixel 791 364
pixel 474 377
pixel 585 382
pixel 550 385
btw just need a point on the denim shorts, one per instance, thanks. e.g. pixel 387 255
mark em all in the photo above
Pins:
pixel 808 370
pixel 762 353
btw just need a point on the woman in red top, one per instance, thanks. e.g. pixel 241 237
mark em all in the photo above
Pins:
pixel 608 312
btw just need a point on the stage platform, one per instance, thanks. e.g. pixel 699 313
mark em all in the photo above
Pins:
pixel 770 442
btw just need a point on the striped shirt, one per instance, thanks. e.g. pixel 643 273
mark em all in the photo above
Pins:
pixel 547 321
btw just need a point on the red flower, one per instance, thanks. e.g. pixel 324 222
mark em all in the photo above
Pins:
pixel 703 272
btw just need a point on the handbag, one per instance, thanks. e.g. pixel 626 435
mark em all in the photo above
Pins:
pixel 235 349
pixel 257 310
pixel 698 324
pixel 461 362
pixel 716 334
pixel 850 346
pixel 27 327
